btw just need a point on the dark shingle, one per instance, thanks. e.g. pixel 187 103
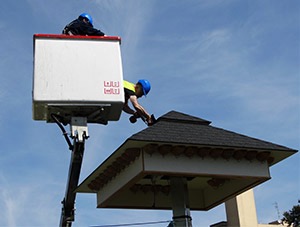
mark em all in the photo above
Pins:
pixel 175 127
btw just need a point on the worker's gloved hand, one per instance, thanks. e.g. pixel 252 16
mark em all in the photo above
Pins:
pixel 151 121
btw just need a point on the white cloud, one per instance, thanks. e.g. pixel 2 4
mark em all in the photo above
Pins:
pixel 31 197
pixel 7 205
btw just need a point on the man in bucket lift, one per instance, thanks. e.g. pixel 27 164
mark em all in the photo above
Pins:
pixel 133 92
pixel 83 25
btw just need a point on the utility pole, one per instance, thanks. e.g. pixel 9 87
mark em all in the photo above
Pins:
pixel 277 210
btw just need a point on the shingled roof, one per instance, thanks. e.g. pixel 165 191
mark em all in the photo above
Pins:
pixel 217 163
pixel 176 127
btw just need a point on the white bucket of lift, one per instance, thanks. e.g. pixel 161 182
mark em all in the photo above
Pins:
pixel 77 76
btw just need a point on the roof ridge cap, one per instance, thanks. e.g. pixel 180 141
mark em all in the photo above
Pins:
pixel 175 116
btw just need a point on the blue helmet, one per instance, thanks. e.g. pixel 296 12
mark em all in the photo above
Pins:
pixel 145 85
pixel 87 16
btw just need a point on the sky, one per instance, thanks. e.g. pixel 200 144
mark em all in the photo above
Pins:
pixel 235 63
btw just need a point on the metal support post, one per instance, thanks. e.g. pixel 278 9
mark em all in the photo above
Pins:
pixel 79 128
pixel 180 202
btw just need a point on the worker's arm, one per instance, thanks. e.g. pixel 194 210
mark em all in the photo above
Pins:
pixel 127 109
pixel 94 32
pixel 139 109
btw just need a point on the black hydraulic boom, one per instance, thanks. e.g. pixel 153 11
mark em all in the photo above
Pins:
pixel 68 203
pixel 79 134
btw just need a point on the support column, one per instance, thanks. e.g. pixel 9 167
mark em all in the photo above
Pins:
pixel 180 202
pixel 241 210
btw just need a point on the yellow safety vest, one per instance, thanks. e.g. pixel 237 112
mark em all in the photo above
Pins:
pixel 128 85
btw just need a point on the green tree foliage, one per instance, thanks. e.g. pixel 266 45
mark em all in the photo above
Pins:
pixel 292 217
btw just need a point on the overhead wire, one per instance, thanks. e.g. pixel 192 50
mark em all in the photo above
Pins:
pixel 133 224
